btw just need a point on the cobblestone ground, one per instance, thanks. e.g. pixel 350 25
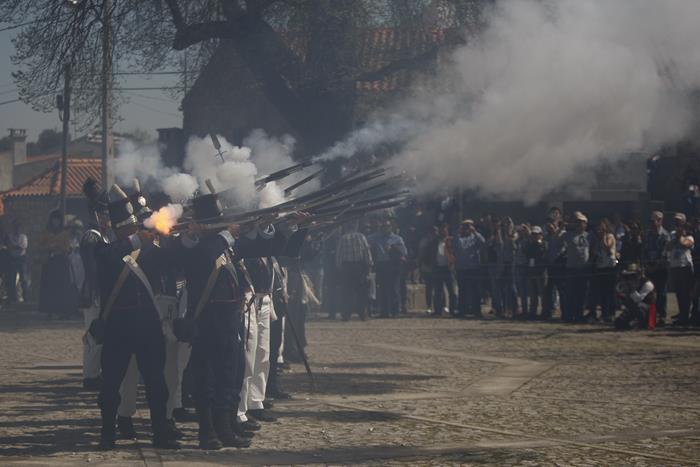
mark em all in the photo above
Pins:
pixel 413 390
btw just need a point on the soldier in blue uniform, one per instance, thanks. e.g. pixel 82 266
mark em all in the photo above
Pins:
pixel 216 287
pixel 129 323
pixel 97 232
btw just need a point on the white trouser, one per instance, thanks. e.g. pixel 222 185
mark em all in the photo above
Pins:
pixel 92 351
pixel 257 359
pixel 129 389
pixel 258 383
pixel 177 355
pixel 168 311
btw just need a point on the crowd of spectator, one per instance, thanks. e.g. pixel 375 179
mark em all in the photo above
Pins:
pixel 54 258
pixel 565 269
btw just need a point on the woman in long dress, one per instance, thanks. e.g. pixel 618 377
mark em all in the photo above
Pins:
pixel 56 291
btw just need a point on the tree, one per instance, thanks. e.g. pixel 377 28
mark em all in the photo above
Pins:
pixel 152 34
pixel 49 140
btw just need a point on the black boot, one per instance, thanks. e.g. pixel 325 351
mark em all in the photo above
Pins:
pixel 207 435
pixel 92 384
pixel 181 414
pixel 238 428
pixel 222 426
pixel 126 428
pixel 172 431
pixel 280 395
pixel 261 415
pixel 107 438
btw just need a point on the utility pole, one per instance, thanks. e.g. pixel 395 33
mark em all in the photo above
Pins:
pixel 106 93
pixel 64 108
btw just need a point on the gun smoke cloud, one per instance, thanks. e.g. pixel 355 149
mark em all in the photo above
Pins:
pixel 549 88
pixel 235 175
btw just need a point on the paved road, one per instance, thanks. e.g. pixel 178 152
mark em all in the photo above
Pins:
pixel 419 391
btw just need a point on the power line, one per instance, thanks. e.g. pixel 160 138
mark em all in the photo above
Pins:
pixel 138 73
pixel 159 99
pixel 160 88
pixel 147 107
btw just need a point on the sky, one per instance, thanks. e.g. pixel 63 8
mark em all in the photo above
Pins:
pixel 147 110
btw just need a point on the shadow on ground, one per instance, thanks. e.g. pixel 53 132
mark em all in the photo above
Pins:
pixel 353 383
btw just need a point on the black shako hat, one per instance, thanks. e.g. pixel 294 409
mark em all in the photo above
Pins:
pixel 121 212
pixel 97 198
pixel 207 207
pixel 139 202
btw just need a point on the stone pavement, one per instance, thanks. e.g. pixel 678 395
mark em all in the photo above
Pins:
pixel 413 390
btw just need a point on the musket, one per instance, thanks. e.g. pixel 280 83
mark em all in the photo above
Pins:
pixel 360 192
pixel 301 203
pixel 306 201
pixel 356 211
pixel 288 191
pixel 304 359
pixel 217 145
pixel 280 174
pixel 361 202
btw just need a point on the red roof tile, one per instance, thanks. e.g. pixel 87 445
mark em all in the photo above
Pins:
pixel 49 182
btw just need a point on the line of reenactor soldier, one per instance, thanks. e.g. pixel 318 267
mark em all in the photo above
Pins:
pixel 143 321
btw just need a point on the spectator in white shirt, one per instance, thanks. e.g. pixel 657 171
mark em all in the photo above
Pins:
pixel 17 244
pixel 679 251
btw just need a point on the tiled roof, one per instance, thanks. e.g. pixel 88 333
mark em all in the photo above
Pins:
pixel 49 182
pixel 379 47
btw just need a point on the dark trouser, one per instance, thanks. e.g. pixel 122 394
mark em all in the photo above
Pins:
pixel 57 295
pixel 535 291
pixel 216 354
pixel 294 328
pixel 18 265
pixel 239 363
pixel 521 283
pixel 576 288
pixel 354 290
pixel 682 279
pixel 133 332
pixel 469 284
pixel 506 283
pixel 428 282
pixel 275 342
pixel 555 284
pixel 604 280
pixel 442 278
pixel 496 292
pixel 330 301
pixel 632 312
pixel 659 278
pixel 403 288
pixel 388 289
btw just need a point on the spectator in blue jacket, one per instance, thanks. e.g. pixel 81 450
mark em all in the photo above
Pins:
pixel 468 250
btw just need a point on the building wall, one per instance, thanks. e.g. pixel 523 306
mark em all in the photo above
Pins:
pixel 6 170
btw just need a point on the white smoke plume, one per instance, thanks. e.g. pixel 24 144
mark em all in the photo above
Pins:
pixel 235 175
pixel 548 89
pixel 144 163
pixel 271 154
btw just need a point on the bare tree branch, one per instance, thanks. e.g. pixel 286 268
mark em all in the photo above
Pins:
pixel 176 14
